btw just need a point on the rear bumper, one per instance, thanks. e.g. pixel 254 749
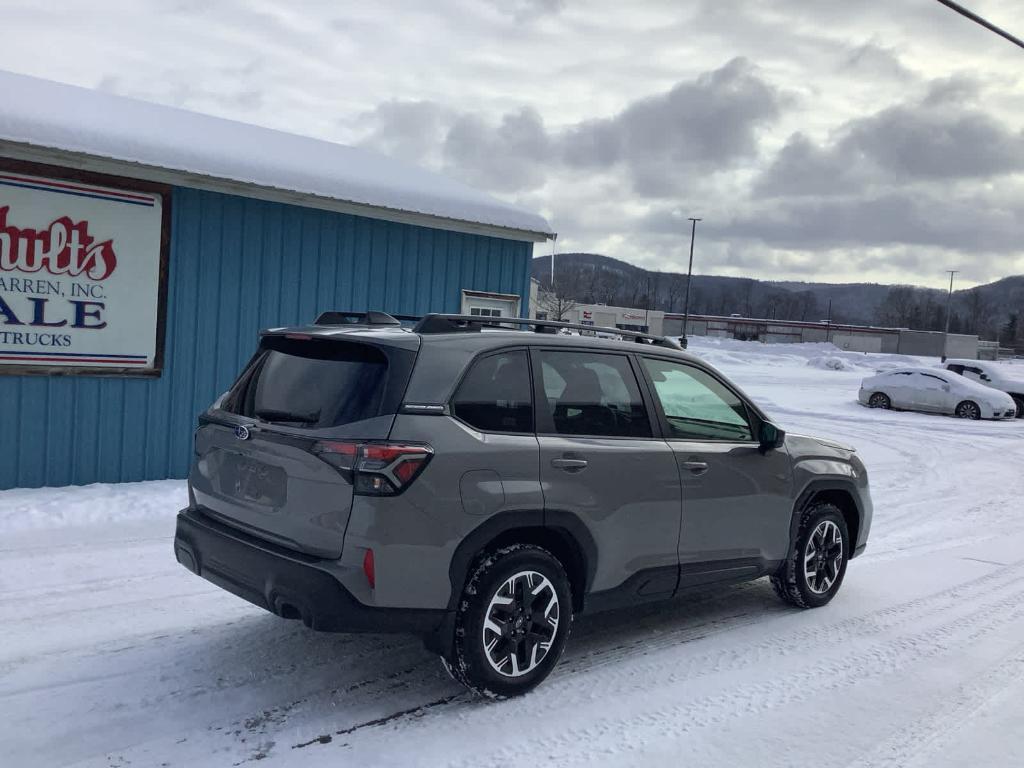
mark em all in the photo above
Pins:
pixel 286 583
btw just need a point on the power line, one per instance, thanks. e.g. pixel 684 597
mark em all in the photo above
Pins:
pixel 978 20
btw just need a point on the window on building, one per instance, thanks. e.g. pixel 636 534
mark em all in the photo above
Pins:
pixel 485 312
pixel 697 406
pixel 496 395
pixel 592 394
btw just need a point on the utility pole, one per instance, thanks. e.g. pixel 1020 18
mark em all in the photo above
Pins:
pixel 689 279
pixel 828 323
pixel 949 307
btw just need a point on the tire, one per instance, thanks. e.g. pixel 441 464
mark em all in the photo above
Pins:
pixel 1019 402
pixel 968 409
pixel 820 522
pixel 501 664
pixel 879 400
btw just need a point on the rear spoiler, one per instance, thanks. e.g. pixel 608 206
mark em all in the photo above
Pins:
pixel 371 317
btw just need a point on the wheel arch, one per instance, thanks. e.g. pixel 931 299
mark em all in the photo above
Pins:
pixel 561 533
pixel 842 494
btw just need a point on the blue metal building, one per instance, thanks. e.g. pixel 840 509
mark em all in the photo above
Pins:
pixel 242 254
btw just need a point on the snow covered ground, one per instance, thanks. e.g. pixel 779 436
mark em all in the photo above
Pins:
pixel 111 654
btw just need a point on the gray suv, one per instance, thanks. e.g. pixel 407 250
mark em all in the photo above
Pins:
pixel 479 485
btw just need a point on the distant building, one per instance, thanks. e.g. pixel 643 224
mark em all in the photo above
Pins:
pixel 855 338
pixel 623 318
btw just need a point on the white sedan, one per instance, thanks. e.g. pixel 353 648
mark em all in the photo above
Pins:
pixel 935 390
pixel 1002 376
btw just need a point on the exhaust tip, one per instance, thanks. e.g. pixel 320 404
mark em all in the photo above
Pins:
pixel 287 610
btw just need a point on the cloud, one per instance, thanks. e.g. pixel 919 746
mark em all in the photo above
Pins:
pixel 902 217
pixel 817 139
pixel 938 138
pixel 925 141
pixel 409 130
pixel 803 168
pixel 527 10
pixel 876 60
pixel 507 157
pixel 705 125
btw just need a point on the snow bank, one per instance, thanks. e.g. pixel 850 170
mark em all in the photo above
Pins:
pixel 827 356
pixel 830 363
pixel 37 508
pixel 47 114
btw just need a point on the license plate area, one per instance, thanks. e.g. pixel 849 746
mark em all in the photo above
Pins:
pixel 251 480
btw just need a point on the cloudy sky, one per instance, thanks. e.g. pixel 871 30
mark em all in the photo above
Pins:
pixel 876 140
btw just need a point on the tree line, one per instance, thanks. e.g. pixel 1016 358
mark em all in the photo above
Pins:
pixel 990 312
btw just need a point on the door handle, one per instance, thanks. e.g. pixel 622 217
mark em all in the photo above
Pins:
pixel 569 465
pixel 696 466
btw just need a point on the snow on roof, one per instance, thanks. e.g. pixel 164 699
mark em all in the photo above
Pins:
pixel 42 113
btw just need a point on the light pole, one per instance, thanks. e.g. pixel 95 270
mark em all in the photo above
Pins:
pixel 555 237
pixel 949 307
pixel 689 278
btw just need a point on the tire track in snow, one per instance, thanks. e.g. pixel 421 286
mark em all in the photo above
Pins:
pixel 669 721
pixel 893 616
pixel 570 690
pixel 918 742
pixel 767 650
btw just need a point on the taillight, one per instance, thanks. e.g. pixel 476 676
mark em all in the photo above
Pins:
pixel 338 455
pixel 376 469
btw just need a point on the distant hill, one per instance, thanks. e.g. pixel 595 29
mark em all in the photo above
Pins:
pixel 989 310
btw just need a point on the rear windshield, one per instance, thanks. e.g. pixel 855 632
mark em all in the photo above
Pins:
pixel 313 383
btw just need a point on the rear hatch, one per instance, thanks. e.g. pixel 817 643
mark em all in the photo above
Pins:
pixel 257 465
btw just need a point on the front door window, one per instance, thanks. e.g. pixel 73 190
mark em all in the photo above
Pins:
pixel 696 405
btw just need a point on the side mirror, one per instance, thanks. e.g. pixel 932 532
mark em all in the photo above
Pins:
pixel 770 437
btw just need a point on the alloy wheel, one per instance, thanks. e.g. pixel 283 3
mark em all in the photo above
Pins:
pixel 823 557
pixel 968 410
pixel 878 400
pixel 520 624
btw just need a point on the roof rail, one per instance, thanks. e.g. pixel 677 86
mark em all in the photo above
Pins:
pixel 371 317
pixel 440 323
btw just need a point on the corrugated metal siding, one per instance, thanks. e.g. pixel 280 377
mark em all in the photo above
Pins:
pixel 236 265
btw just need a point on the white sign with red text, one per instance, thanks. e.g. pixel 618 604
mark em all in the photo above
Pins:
pixel 79 274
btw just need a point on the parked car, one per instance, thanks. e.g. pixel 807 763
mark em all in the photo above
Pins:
pixel 1005 378
pixel 481 489
pixel 934 390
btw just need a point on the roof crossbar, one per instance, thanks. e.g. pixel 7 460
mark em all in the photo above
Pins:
pixel 441 323
pixel 371 317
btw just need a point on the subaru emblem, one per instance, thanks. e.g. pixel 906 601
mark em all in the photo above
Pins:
pixel 242 432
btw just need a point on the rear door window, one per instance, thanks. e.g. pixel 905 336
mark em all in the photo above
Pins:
pixel 314 383
pixel 592 394
pixel 930 381
pixel 496 395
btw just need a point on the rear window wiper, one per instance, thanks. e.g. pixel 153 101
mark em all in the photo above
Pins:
pixel 269 414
